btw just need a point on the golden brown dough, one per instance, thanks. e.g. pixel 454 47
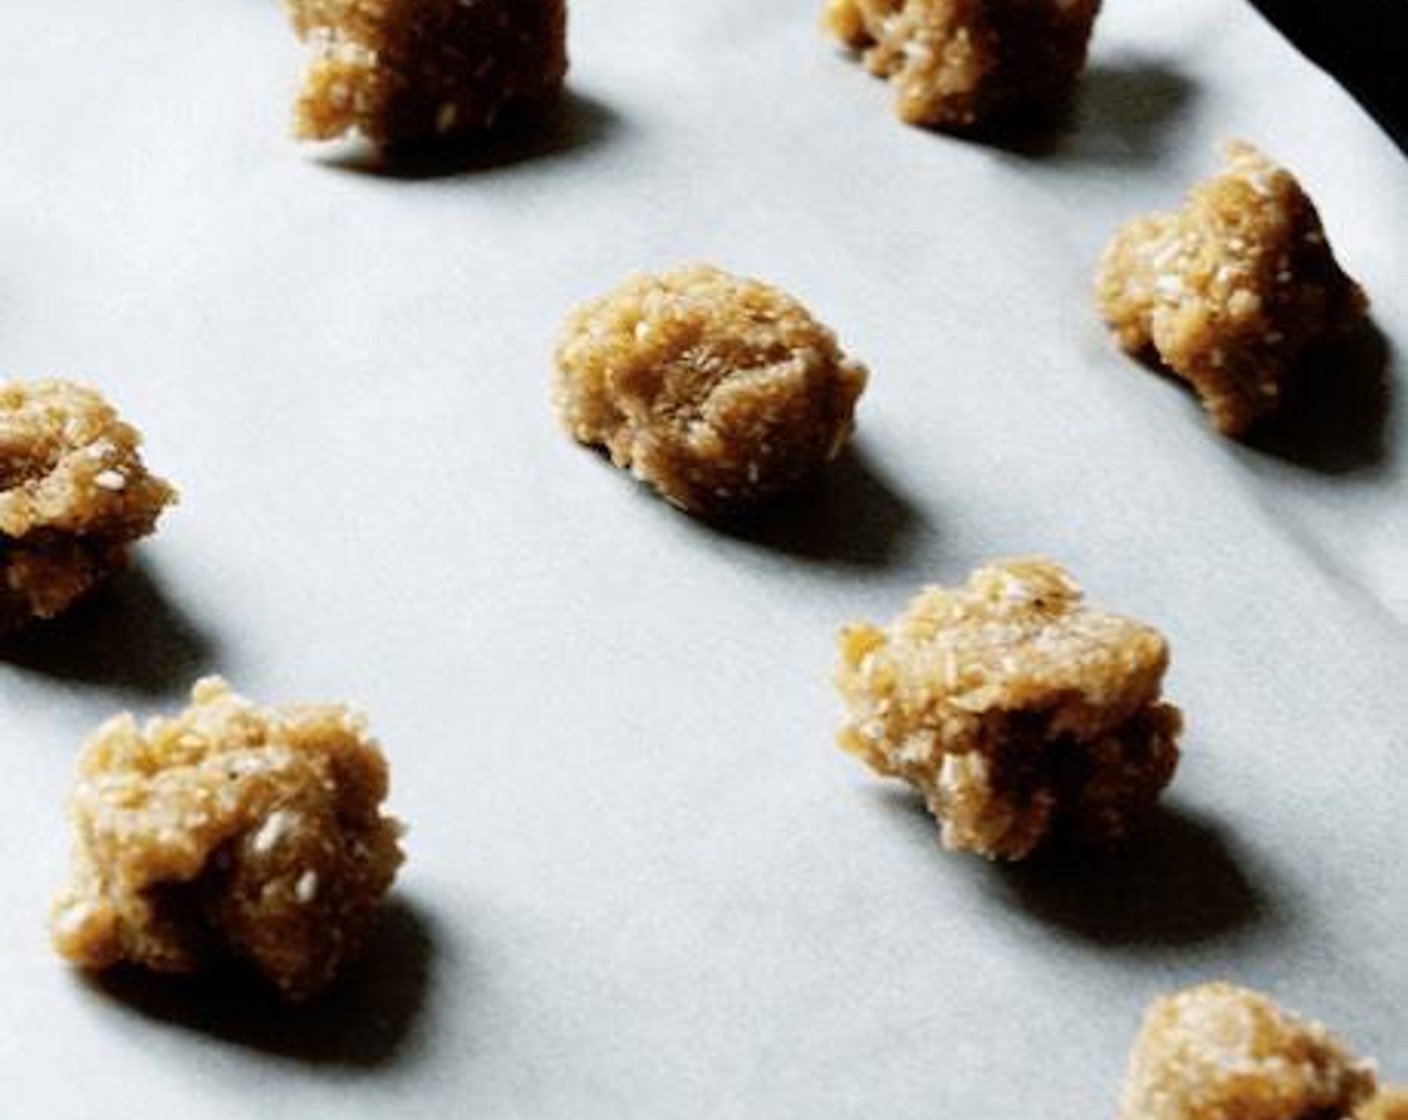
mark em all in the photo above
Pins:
pixel 1219 1052
pixel 964 65
pixel 718 391
pixel 1016 710
pixel 1229 292
pixel 74 494
pixel 405 71
pixel 230 832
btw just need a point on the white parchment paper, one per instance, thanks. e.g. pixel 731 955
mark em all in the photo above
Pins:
pixel 641 880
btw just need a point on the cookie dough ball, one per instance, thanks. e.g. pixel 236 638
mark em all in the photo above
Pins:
pixel 1231 291
pixel 718 391
pixel 1018 712
pixel 406 71
pixel 229 833
pixel 966 65
pixel 1220 1052
pixel 1390 1104
pixel 74 495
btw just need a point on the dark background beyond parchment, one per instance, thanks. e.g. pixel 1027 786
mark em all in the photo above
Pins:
pixel 1363 43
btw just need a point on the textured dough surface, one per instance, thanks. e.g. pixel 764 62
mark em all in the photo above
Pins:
pixel 230 832
pixel 1390 1104
pixel 1220 1052
pixel 965 65
pixel 718 391
pixel 1016 710
pixel 1229 292
pixel 74 494
pixel 406 71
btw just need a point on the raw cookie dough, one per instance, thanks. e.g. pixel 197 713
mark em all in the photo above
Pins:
pixel 1229 292
pixel 230 832
pixel 1018 712
pixel 965 65
pixel 1390 1104
pixel 404 71
pixel 718 391
pixel 1219 1052
pixel 73 495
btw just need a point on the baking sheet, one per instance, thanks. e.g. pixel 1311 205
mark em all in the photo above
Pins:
pixel 641 880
